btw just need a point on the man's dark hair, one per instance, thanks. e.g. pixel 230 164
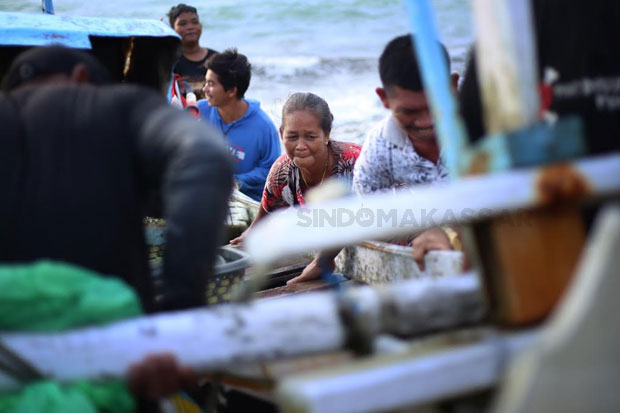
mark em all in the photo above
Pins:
pixel 398 65
pixel 232 70
pixel 175 12
pixel 44 61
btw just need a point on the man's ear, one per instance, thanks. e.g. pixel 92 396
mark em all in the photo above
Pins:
pixel 383 96
pixel 232 92
pixel 80 74
pixel 454 79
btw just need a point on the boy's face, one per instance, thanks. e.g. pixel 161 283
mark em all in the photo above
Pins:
pixel 188 26
pixel 411 111
pixel 214 91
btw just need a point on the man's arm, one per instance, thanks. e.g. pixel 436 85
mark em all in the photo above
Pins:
pixel 190 164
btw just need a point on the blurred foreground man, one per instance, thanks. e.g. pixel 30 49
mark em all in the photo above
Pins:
pixel 78 162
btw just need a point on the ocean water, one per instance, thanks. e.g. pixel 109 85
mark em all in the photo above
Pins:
pixel 328 47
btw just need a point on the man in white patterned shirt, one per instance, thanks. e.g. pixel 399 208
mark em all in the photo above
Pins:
pixel 402 150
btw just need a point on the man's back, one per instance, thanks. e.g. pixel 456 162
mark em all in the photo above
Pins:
pixel 77 168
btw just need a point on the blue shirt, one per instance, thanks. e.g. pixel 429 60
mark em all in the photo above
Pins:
pixel 253 141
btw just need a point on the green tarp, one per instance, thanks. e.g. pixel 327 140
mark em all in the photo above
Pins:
pixel 49 296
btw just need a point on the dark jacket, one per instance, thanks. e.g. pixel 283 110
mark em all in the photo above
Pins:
pixel 77 167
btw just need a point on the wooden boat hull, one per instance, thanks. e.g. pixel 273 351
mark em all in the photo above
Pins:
pixel 375 262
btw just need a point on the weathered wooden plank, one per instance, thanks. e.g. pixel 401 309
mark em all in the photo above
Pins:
pixel 506 60
pixel 380 262
pixel 383 216
pixel 205 339
pixel 230 334
pixel 377 262
pixel 529 260
pixel 429 304
pixel 442 367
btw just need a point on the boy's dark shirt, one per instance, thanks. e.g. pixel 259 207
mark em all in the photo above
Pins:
pixel 191 70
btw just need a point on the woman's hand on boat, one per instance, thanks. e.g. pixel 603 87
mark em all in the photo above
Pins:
pixel 239 240
pixel 159 376
pixel 432 239
pixel 313 270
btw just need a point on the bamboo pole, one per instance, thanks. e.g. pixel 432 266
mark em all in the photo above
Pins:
pixel 437 84
pixel 47 6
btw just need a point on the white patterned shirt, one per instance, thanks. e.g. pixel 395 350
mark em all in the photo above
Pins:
pixel 389 160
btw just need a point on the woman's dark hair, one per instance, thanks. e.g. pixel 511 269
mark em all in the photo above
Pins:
pixel 313 103
pixel 232 70
pixel 398 64
pixel 175 12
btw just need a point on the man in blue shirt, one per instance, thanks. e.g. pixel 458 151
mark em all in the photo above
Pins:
pixel 252 137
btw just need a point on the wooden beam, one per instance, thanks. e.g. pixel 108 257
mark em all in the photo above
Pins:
pixel 443 366
pixel 506 60
pixel 382 216
pixel 230 334
pixel 528 261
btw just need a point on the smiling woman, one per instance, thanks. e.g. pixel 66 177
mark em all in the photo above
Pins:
pixel 191 65
pixel 310 158
pixel 307 145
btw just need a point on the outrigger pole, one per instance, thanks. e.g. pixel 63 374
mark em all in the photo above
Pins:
pixel 47 6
